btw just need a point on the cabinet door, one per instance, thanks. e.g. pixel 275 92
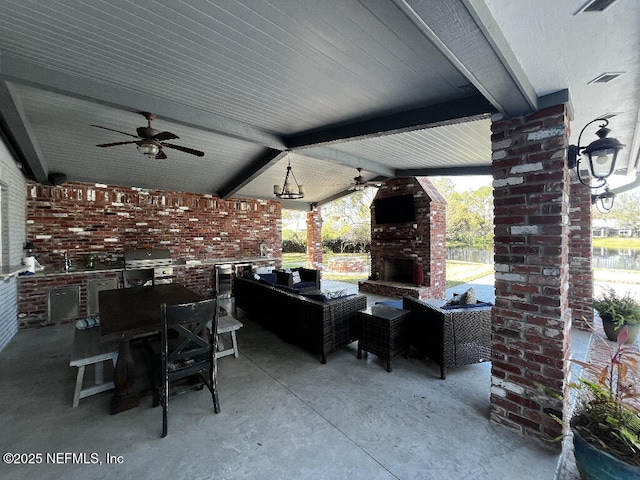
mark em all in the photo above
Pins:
pixel 63 304
pixel 95 285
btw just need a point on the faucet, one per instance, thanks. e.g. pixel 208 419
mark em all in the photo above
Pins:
pixel 67 262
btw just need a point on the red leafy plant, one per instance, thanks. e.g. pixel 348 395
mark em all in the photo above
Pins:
pixel 607 412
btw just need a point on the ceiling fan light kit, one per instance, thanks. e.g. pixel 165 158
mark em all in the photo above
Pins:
pixel 152 140
pixel 149 149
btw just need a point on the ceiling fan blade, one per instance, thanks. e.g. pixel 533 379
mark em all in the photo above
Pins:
pixel 114 144
pixel 184 149
pixel 161 155
pixel 117 131
pixel 165 136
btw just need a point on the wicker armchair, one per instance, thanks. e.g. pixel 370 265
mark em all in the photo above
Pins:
pixel 451 338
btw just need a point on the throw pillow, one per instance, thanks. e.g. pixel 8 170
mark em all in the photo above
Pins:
pixel 469 297
pixel 455 300
pixel 296 277
pixel 87 323
pixel 336 294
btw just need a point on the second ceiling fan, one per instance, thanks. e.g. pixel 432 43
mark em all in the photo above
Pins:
pixel 359 183
pixel 150 141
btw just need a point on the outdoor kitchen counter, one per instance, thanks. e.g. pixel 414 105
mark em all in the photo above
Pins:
pixel 219 261
pixel 80 270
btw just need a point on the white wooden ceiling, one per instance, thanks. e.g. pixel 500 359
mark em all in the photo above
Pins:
pixel 396 87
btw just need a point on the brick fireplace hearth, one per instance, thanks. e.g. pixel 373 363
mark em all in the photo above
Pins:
pixel 407 238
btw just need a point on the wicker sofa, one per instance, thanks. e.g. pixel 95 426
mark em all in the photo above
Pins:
pixel 318 325
pixel 451 338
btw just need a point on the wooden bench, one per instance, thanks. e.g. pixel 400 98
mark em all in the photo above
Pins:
pixel 228 324
pixel 88 350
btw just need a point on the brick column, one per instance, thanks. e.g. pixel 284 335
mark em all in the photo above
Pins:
pixel 531 320
pixel 314 239
pixel 580 255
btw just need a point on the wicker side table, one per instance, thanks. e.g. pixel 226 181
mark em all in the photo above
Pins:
pixel 384 332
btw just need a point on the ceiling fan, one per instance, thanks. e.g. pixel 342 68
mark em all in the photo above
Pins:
pixel 151 141
pixel 359 183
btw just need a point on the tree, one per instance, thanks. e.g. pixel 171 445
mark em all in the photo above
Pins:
pixel 626 210
pixel 469 213
pixel 347 221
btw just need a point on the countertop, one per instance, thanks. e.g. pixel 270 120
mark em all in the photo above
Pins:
pixel 99 268
pixel 11 271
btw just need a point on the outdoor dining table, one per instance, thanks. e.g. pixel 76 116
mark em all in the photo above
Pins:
pixel 128 313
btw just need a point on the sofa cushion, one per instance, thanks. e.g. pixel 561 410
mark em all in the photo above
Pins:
pixel 467 305
pixel 316 296
pixel 328 295
pixel 303 285
pixel 269 278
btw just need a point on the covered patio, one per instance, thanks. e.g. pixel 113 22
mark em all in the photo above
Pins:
pixel 284 415
pixel 393 88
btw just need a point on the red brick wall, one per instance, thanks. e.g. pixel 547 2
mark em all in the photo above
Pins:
pixel 531 318
pixel 105 220
pixel 580 255
pixel 314 239
pixel 85 218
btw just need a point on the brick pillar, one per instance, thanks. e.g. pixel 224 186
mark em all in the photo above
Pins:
pixel 580 255
pixel 314 239
pixel 437 244
pixel 531 320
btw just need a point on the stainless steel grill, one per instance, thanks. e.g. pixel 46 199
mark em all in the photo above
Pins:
pixel 147 267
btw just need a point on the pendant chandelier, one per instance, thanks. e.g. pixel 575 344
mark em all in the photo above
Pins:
pixel 289 190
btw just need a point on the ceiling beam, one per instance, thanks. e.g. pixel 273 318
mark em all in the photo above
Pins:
pixel 445 171
pixel 27 73
pixel 466 32
pixel 344 158
pixel 407 121
pixel 20 133
pixel 258 166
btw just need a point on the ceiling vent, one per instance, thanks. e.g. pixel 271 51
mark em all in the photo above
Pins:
pixel 596 6
pixel 606 77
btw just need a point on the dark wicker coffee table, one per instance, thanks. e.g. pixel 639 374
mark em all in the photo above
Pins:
pixel 384 332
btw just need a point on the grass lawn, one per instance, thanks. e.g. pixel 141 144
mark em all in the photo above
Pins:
pixel 457 272
pixel 616 242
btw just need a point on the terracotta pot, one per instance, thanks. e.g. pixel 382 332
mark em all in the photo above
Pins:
pixel 594 464
pixel 612 332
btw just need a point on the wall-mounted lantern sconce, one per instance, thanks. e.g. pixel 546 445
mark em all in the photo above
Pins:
pixel 603 201
pixel 600 155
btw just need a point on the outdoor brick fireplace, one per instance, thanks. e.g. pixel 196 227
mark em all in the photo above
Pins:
pixel 407 240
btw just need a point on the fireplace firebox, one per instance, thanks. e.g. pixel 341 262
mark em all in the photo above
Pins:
pixel 398 270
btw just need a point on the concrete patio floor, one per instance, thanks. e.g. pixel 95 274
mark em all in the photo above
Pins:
pixel 284 416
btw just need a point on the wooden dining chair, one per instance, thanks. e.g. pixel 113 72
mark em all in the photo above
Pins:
pixel 188 349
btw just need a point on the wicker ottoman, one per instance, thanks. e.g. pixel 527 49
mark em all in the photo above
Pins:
pixel 384 332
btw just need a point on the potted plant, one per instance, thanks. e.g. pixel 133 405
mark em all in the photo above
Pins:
pixel 616 311
pixel 606 419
